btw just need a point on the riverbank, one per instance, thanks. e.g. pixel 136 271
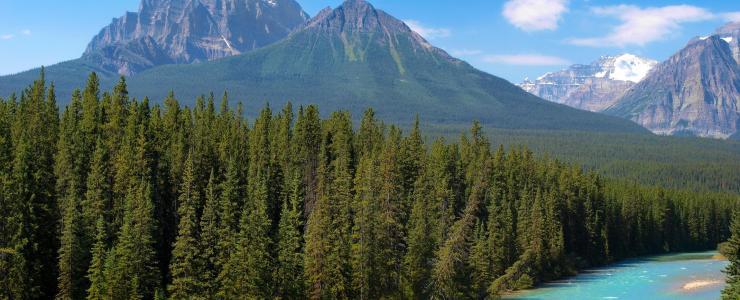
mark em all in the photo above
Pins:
pixel 675 276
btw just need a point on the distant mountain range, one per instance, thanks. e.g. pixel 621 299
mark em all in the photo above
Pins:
pixel 695 92
pixel 354 57
pixel 592 87
pixel 349 58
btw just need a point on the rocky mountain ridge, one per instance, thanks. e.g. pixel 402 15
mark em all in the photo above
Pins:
pixel 592 87
pixel 188 31
pixel 694 92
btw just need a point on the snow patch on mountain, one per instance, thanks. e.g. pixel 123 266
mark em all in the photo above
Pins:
pixel 594 86
pixel 628 67
pixel 727 39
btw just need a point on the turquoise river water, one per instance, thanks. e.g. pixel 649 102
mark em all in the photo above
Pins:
pixel 675 277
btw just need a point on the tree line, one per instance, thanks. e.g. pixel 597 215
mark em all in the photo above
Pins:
pixel 116 198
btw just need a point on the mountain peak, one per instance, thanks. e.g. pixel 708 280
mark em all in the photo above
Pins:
pixel 625 67
pixel 357 16
pixel 694 92
pixel 188 31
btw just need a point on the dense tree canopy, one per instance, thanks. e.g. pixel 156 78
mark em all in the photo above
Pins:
pixel 116 198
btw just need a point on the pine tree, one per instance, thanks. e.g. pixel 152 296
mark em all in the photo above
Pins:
pixel 230 206
pixel 33 213
pixel 186 267
pixel 209 238
pixel 307 144
pixel 392 208
pixel 247 273
pixel 732 291
pixel 450 275
pixel 417 263
pixel 132 271
pixel 480 263
pixel 289 270
pixel 97 200
pixel 96 273
pixel 329 224
pixel 364 250
pixel 72 268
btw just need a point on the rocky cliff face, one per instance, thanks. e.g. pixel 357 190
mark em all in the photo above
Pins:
pixel 695 92
pixel 189 31
pixel 730 33
pixel 592 87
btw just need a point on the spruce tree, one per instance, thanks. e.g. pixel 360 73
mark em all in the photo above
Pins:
pixel 288 276
pixel 132 270
pixel 96 272
pixel 31 191
pixel 364 252
pixel 186 268
pixel 392 215
pixel 418 260
pixel 247 273
pixel 450 275
pixel 732 291
pixel 329 224
pixel 230 209
pixel 72 281
pixel 307 145
pixel 209 238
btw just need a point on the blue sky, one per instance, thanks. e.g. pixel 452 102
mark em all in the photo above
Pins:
pixel 509 38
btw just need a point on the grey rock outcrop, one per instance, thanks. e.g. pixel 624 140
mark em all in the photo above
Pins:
pixel 190 31
pixel 694 92
pixel 592 87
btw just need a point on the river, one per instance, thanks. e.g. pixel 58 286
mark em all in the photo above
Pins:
pixel 675 276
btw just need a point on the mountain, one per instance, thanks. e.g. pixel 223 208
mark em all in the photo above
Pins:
pixel 730 33
pixel 592 87
pixel 694 92
pixel 354 57
pixel 188 31
pixel 171 32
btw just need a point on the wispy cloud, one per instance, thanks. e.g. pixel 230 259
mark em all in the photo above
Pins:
pixel 6 36
pixel 466 52
pixel 641 26
pixel 26 32
pixel 526 60
pixel 731 16
pixel 428 32
pixel 535 15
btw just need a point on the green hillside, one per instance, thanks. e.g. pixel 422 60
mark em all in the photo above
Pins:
pixel 66 76
pixel 353 73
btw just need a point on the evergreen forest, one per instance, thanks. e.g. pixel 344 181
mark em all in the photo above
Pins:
pixel 113 197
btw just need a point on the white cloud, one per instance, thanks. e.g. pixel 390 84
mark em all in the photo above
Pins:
pixel 526 60
pixel 26 32
pixel 6 36
pixel 535 15
pixel 428 32
pixel 466 52
pixel 641 26
pixel 731 16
